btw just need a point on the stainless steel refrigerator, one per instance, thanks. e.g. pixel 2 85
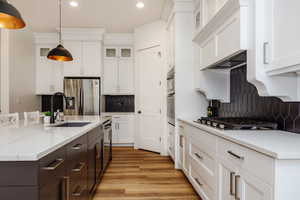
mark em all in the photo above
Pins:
pixel 83 95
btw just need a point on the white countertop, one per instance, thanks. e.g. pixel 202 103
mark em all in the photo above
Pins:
pixel 277 144
pixel 116 113
pixel 32 142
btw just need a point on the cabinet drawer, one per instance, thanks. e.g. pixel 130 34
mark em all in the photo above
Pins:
pixel 255 163
pixel 206 141
pixel 78 192
pixel 204 164
pixel 201 186
pixel 52 167
pixel 77 151
pixel 78 172
pixel 94 134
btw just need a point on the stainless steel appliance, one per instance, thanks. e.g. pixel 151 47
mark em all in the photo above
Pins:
pixel 107 148
pixel 171 97
pixel 238 123
pixel 83 96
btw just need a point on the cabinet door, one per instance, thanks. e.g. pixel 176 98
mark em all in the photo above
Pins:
pixel 281 46
pixel 251 188
pixel 91 59
pixel 125 132
pixel 110 76
pixel 227 173
pixel 74 68
pixel 126 78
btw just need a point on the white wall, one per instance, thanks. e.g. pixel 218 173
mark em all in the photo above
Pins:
pixel 22 72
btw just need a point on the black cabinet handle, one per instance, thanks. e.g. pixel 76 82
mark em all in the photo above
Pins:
pixel 198 156
pixel 139 112
pixel 198 182
pixel 54 165
pixel 235 155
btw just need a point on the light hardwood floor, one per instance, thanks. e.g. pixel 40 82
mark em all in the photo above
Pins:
pixel 141 175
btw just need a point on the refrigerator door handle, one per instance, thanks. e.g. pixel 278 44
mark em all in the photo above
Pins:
pixel 82 101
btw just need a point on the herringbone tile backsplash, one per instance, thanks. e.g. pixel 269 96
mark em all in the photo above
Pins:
pixel 245 102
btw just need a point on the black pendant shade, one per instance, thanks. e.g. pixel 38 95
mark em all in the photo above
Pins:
pixel 60 54
pixel 10 17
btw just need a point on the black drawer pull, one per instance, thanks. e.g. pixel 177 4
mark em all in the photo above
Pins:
pixel 198 156
pixel 78 192
pixel 54 165
pixel 235 155
pixel 77 147
pixel 198 182
pixel 78 169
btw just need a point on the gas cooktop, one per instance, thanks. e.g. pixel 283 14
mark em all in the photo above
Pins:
pixel 237 123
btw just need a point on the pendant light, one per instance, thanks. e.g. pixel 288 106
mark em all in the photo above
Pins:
pixel 10 17
pixel 60 53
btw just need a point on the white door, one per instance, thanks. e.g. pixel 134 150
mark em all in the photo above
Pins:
pixel 73 68
pixel 91 59
pixel 251 188
pixel 227 177
pixel 126 80
pixel 149 96
pixel 110 76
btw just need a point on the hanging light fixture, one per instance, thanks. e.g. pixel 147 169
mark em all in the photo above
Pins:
pixel 10 17
pixel 60 53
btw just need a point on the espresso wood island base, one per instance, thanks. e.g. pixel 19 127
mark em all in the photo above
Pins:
pixel 70 172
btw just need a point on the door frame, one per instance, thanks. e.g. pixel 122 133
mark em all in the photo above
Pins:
pixel 4 67
pixel 163 148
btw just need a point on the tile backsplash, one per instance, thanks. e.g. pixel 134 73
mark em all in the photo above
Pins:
pixel 245 102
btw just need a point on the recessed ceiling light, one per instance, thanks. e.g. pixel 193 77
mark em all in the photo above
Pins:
pixel 140 4
pixel 74 3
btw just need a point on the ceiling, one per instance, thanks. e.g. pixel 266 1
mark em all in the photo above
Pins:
pixel 114 15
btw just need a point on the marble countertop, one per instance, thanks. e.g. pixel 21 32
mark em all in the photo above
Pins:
pixel 30 142
pixel 277 144
pixel 116 113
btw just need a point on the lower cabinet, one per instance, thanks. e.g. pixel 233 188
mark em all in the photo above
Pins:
pixel 123 129
pixel 221 170
pixel 70 173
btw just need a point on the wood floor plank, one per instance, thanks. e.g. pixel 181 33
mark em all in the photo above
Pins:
pixel 141 175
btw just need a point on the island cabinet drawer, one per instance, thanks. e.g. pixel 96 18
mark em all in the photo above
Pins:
pixel 12 174
pixel 79 190
pixel 94 134
pixel 77 150
pixel 202 139
pixel 201 186
pixel 52 167
pixel 258 164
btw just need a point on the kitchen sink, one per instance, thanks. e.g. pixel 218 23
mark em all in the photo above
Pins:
pixel 73 124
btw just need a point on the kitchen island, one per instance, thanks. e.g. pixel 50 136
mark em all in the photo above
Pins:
pixel 40 162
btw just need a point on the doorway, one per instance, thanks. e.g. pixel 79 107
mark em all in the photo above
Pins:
pixel 149 99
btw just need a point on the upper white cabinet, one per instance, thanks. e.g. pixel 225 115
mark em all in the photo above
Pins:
pixel 49 73
pixel 118 71
pixel 274 53
pixel 87 59
pixel 225 30
pixel 85 45
pixel 118 68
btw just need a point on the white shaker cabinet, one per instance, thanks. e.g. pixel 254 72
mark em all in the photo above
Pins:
pixel 48 72
pixel 118 71
pixel 123 129
pixel 73 68
pixel 87 59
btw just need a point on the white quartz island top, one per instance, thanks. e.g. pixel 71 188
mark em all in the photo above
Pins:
pixel 33 141
pixel 277 144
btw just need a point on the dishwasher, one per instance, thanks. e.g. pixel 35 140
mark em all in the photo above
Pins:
pixel 107 149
